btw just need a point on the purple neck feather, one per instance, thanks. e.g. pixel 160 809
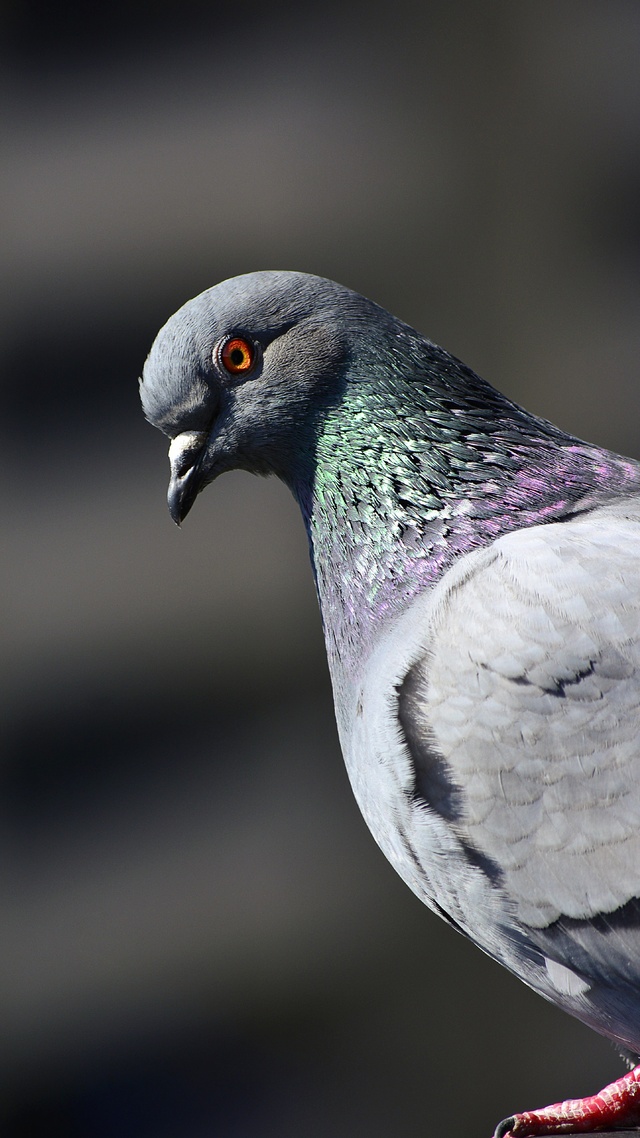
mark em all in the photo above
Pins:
pixel 373 553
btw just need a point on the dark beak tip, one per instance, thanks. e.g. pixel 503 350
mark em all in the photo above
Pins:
pixel 180 499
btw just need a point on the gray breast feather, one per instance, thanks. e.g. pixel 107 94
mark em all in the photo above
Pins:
pixel 530 694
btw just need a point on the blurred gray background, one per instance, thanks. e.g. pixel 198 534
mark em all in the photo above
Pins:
pixel 199 937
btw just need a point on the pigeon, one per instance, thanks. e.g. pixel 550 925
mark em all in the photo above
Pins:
pixel 477 571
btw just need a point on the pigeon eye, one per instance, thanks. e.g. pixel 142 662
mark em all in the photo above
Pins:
pixel 238 355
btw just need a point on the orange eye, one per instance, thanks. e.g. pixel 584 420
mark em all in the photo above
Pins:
pixel 238 355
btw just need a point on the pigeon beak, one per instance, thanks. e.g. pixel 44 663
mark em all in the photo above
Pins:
pixel 185 455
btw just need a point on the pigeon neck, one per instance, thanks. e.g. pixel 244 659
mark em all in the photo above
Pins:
pixel 388 510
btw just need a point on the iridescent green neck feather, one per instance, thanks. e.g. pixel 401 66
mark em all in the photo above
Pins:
pixel 410 473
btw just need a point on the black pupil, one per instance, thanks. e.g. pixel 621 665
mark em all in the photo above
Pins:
pixel 237 356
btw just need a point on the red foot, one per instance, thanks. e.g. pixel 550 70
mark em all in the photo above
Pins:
pixel 615 1106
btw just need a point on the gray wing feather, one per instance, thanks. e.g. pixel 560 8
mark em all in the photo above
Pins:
pixel 530 693
pixel 494 748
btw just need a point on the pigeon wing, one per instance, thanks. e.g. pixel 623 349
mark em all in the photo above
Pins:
pixel 522 722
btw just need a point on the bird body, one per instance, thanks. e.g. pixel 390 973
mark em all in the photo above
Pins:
pixel 477 572
pixel 491 745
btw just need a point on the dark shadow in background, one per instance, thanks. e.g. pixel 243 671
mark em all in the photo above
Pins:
pixel 199 935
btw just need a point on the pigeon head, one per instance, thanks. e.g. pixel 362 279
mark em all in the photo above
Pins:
pixel 400 457
pixel 241 376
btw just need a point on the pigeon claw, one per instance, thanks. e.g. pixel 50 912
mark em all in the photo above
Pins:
pixel 614 1107
pixel 505 1127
